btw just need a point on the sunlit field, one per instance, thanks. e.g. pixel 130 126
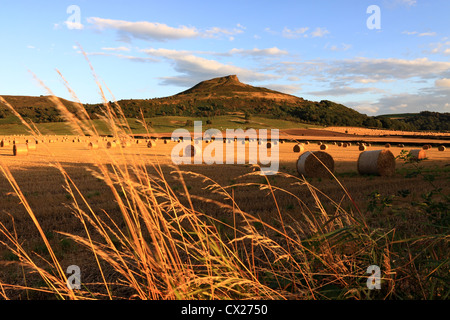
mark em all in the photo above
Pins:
pixel 140 227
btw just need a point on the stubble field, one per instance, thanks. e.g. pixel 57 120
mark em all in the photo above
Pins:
pixel 285 201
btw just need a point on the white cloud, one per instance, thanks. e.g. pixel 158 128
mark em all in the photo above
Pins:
pixel 319 32
pixel 421 101
pixel 422 34
pixel 161 32
pixel 427 34
pixel 73 25
pixel 145 30
pixel 293 34
pixel 194 69
pixel 117 49
pixel 366 108
pixel 301 32
pixel 342 47
pixel 408 3
pixel 274 51
pixel 386 69
pixel 216 32
pixel 439 48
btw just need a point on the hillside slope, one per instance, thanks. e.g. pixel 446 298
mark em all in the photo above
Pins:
pixel 228 96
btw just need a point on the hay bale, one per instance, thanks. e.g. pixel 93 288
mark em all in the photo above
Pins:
pixel 339 144
pixel 20 149
pixel 191 150
pixel 441 148
pixel 315 164
pixel 401 145
pixel 166 141
pixel 345 145
pixel 362 147
pixel 151 144
pixel 110 144
pixel 93 145
pixel 418 154
pixel 387 145
pixel 4 143
pixel 379 162
pixel 269 145
pixel 299 148
pixel 323 147
pixel 426 147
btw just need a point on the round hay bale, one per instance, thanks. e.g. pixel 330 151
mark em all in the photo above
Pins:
pixel 110 144
pixel 20 149
pixel 191 150
pixel 315 164
pixel 345 145
pixel 151 144
pixel 339 144
pixel 387 145
pixel 418 154
pixel 379 162
pixel 323 147
pixel 269 145
pixel 299 148
pixel 441 148
pixel 362 147
pixel 4 143
pixel 93 145
pixel 306 142
pixel 426 147
pixel 166 141
pixel 401 145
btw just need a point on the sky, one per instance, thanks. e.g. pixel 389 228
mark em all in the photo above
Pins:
pixel 377 57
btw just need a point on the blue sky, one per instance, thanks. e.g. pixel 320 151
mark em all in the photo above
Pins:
pixel 313 49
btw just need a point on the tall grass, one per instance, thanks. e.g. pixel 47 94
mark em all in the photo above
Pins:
pixel 163 248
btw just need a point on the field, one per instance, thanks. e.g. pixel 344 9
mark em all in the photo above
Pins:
pixel 277 228
pixel 12 126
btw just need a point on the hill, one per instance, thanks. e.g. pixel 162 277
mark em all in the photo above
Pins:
pixel 230 86
pixel 37 109
pixel 225 96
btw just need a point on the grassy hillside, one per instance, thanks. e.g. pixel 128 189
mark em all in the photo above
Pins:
pixel 221 98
